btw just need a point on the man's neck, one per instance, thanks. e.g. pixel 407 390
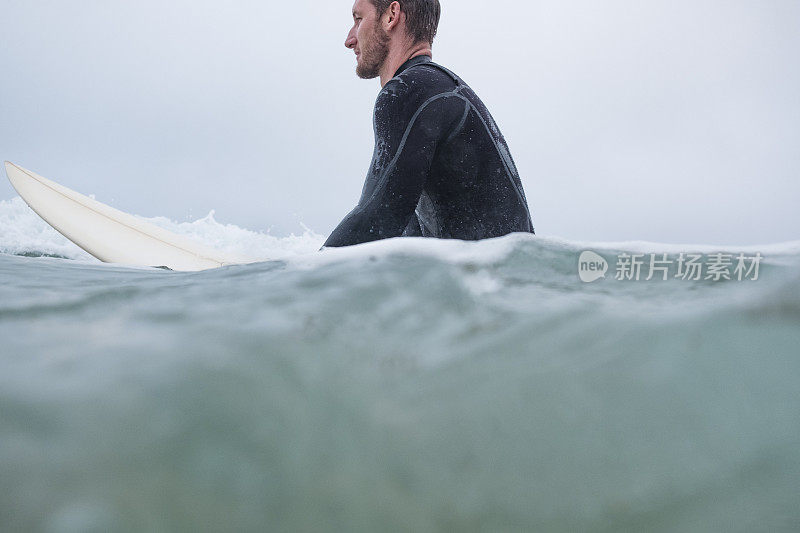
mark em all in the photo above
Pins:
pixel 396 59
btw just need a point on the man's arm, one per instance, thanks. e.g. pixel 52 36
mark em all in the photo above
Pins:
pixel 408 129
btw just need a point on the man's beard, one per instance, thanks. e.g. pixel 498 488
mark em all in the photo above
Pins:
pixel 374 55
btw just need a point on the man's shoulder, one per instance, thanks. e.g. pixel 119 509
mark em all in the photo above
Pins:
pixel 420 81
pixel 428 72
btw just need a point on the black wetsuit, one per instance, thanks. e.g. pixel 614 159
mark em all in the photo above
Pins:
pixel 441 167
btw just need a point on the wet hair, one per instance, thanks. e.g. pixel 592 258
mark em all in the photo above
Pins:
pixel 422 17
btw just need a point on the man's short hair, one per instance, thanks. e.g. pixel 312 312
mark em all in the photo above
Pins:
pixel 422 17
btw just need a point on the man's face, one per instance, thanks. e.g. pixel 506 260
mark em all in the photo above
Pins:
pixel 368 39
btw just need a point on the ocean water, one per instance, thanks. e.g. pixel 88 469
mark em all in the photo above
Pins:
pixel 406 385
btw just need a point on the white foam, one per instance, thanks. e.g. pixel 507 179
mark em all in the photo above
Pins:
pixel 784 248
pixel 452 251
pixel 23 232
pixel 243 242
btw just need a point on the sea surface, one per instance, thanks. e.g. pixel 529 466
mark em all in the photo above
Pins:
pixel 405 385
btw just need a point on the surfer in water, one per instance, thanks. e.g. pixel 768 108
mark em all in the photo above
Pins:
pixel 441 168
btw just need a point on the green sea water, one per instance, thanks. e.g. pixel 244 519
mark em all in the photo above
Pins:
pixel 400 386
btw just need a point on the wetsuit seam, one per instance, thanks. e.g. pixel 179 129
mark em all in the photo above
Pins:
pixel 509 174
pixel 391 165
pixel 460 124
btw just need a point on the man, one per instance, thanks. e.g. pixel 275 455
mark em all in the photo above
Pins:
pixel 441 167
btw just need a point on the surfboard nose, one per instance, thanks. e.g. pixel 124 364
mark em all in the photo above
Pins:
pixel 11 170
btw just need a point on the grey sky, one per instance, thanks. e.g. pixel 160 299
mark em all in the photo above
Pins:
pixel 671 121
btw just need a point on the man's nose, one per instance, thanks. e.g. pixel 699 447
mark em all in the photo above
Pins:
pixel 351 40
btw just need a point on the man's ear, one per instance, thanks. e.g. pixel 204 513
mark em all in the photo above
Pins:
pixel 392 16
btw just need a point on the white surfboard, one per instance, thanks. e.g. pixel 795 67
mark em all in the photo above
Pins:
pixel 109 234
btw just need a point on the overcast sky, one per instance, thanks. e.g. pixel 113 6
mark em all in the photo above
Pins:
pixel 663 120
